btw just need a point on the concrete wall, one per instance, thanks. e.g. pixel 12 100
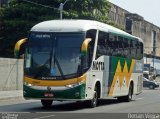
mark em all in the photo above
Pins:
pixel 117 15
pixel 144 30
pixel 11 74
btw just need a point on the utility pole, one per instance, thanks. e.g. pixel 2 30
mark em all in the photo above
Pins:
pixel 154 35
pixel 61 8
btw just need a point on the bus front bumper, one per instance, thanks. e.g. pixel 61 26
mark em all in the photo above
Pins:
pixel 63 93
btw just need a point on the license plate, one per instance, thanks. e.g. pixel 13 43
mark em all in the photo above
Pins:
pixel 48 94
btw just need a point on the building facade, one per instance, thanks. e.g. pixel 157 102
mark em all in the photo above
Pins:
pixel 138 26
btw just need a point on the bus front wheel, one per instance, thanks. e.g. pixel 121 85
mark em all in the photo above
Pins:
pixel 46 103
pixel 93 102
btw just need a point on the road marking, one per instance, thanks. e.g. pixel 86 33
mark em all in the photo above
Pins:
pixel 140 98
pixel 44 117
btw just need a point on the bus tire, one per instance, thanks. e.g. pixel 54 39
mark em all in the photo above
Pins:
pixel 94 101
pixel 46 103
pixel 128 98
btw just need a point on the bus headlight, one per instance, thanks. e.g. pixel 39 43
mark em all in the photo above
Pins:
pixel 74 85
pixel 28 84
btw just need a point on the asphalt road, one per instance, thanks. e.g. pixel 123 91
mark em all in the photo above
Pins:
pixel 146 102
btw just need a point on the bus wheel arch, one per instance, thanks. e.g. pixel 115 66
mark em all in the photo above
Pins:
pixel 129 96
pixel 132 84
pixel 98 85
pixel 131 90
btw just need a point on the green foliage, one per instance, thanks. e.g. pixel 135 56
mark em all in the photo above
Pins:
pixel 17 19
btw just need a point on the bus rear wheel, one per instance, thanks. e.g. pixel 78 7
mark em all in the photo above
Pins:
pixel 46 103
pixel 128 97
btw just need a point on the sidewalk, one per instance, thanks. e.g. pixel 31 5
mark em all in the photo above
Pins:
pixel 10 94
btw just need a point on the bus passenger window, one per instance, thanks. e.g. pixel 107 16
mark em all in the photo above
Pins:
pixel 126 45
pixel 133 48
pixel 139 51
pixel 112 44
pixel 120 46
pixel 108 47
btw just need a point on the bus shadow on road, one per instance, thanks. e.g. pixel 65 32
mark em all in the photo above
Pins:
pixel 107 102
pixel 66 106
pixel 83 105
pixel 73 106
pixel 34 107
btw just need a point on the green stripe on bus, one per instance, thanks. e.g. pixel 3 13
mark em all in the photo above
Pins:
pixel 71 93
pixel 113 66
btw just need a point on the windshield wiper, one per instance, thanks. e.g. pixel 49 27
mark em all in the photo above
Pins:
pixel 59 67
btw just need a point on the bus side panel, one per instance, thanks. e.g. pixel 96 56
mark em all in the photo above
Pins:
pixel 117 75
pixel 95 75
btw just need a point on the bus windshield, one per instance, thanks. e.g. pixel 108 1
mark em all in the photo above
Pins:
pixel 53 56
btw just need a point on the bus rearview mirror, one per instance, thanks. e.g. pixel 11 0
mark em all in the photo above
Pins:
pixel 84 47
pixel 18 47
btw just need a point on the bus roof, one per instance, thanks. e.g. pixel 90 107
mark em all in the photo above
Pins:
pixel 77 26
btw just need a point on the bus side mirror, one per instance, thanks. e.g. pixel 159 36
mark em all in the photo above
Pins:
pixel 85 54
pixel 84 47
pixel 18 48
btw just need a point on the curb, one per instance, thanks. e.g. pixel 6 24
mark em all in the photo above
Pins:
pixel 11 98
pixel 14 94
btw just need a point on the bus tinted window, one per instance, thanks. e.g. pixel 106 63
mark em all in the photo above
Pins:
pixel 119 46
pixel 127 50
pixel 103 46
pixel 116 45
pixel 139 50
pixel 133 49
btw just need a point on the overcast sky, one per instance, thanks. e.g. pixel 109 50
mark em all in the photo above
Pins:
pixel 149 9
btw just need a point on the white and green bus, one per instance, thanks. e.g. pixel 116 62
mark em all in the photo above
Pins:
pixel 80 60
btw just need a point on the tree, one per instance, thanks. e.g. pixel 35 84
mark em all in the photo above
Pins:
pixel 17 19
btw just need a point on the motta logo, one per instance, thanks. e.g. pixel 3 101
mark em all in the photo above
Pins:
pixel 98 65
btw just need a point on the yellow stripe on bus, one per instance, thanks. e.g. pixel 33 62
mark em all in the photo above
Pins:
pixel 54 82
